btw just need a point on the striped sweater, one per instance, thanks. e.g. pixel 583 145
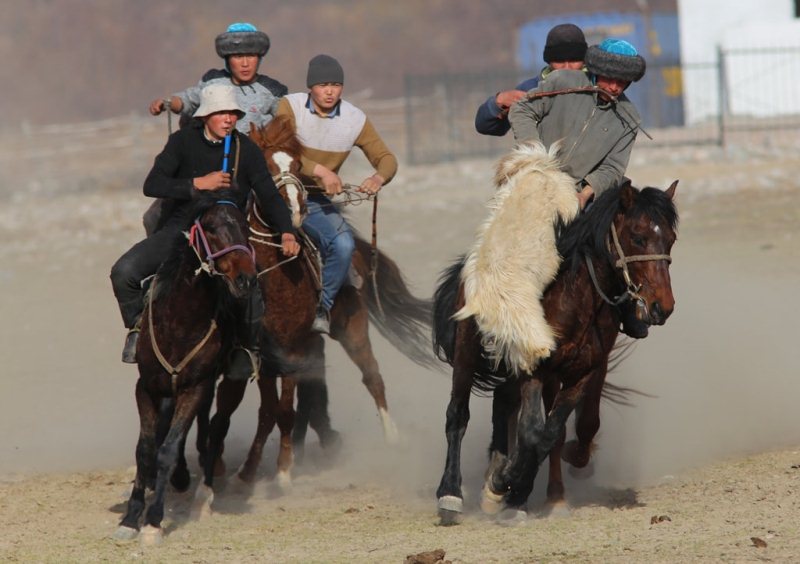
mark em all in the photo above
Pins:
pixel 328 141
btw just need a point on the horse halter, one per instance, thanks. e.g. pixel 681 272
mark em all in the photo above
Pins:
pixel 286 178
pixel 197 237
pixel 631 289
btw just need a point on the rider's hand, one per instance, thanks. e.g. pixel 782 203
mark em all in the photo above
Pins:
pixel 506 99
pixel 330 180
pixel 289 245
pixel 216 180
pixel 585 196
pixel 157 106
pixel 371 185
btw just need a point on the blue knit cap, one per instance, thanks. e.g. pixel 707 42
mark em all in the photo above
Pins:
pixel 241 26
pixel 616 46
pixel 615 58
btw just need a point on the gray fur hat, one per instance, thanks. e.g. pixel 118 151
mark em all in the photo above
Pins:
pixel 615 58
pixel 242 39
pixel 322 69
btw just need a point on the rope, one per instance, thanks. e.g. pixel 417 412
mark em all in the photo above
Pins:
pixel 173 371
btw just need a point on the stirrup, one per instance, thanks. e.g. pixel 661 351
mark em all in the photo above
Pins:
pixel 131 342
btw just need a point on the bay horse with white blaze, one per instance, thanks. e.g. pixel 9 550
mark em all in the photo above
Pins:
pixel 615 273
pixel 291 294
pixel 189 319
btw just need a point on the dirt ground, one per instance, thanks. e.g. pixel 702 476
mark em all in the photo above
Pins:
pixel 707 469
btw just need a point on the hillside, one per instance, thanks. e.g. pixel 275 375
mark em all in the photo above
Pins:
pixel 79 60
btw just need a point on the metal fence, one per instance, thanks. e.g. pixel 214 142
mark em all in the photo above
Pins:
pixel 742 95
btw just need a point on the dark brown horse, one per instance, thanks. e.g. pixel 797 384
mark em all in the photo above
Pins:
pixel 615 273
pixel 184 336
pixel 291 293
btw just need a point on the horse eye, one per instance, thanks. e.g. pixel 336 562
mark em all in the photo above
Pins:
pixel 637 240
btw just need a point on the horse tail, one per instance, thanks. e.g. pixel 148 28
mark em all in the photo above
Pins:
pixel 444 306
pixel 620 395
pixel 402 318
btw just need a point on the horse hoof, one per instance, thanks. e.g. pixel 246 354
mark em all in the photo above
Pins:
pixel 284 481
pixel 125 534
pixel 450 510
pixel 390 433
pixel 203 498
pixel 512 517
pixel 583 473
pixel 557 510
pixel 491 503
pixel 151 536
pixel 576 455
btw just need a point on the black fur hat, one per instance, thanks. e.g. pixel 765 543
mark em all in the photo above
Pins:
pixel 565 42
pixel 242 39
pixel 615 58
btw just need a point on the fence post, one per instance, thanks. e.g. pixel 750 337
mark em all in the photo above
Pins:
pixel 722 96
pixel 409 121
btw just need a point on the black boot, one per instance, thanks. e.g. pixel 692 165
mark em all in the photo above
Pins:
pixel 129 350
pixel 322 322
pixel 245 359
pixel 243 364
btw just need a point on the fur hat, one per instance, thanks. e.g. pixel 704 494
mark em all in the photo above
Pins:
pixel 242 39
pixel 324 68
pixel 615 58
pixel 218 98
pixel 565 42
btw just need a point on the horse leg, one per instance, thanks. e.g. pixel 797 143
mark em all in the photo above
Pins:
pixel 555 480
pixel 312 402
pixel 513 482
pixel 285 416
pixel 587 422
pixel 180 478
pixel 145 462
pixel 505 409
pixel 203 416
pixel 466 358
pixel 351 329
pixel 185 410
pixel 267 387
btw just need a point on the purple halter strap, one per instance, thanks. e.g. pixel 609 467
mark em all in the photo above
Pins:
pixel 197 229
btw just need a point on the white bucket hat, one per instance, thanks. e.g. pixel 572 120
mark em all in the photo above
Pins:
pixel 218 98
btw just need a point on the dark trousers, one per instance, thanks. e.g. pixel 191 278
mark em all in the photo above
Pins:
pixel 143 260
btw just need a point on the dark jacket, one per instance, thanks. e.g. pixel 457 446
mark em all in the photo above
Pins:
pixel 491 119
pixel 188 155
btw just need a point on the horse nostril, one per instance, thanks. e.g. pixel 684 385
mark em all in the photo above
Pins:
pixel 243 281
pixel 657 313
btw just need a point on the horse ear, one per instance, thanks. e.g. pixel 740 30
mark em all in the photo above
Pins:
pixel 628 194
pixel 671 190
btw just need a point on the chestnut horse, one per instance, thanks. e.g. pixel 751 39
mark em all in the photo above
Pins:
pixel 291 292
pixel 187 322
pixel 619 248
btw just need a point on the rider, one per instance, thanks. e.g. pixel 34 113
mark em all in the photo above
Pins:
pixel 564 49
pixel 243 47
pixel 596 127
pixel 191 162
pixel 329 128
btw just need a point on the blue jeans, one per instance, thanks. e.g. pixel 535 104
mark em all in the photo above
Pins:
pixel 334 239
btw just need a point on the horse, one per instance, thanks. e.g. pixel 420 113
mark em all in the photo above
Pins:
pixel 291 290
pixel 188 320
pixel 620 247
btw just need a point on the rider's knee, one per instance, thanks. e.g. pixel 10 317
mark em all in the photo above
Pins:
pixel 123 273
pixel 344 245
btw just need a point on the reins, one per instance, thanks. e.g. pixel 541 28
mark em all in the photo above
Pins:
pixel 631 289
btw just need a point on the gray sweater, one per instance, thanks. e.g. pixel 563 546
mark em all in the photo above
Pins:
pixel 596 138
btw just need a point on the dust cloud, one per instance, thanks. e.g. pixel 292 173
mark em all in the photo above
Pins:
pixel 722 371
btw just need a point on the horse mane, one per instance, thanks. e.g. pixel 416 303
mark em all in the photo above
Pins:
pixel 170 269
pixel 587 234
pixel 278 135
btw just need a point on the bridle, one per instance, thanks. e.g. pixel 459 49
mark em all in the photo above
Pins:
pixel 631 289
pixel 199 242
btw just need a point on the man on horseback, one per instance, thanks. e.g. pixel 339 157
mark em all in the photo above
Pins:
pixel 595 123
pixel 243 48
pixel 191 162
pixel 564 48
pixel 329 128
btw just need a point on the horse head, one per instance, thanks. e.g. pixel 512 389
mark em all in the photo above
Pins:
pixel 283 151
pixel 219 236
pixel 642 236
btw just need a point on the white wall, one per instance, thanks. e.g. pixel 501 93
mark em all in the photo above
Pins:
pixel 706 25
